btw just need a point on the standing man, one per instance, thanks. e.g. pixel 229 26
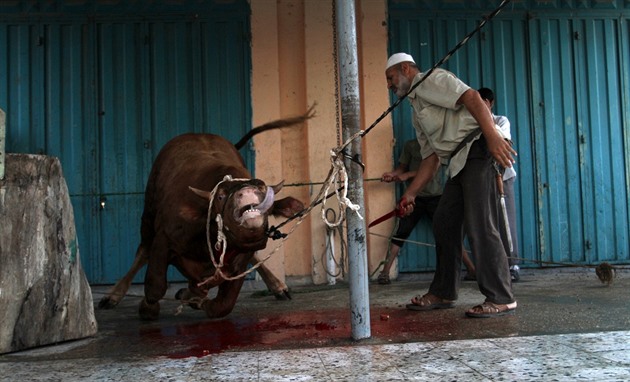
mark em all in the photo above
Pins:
pixel 509 176
pixel 424 204
pixel 454 126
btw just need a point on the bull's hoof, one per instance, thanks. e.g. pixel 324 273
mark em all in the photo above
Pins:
pixel 187 297
pixel 107 303
pixel 283 295
pixel 213 310
pixel 149 312
pixel 182 294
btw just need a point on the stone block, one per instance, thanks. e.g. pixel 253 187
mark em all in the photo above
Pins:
pixel 44 294
pixel 3 135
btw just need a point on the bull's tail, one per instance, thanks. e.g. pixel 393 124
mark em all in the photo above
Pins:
pixel 310 113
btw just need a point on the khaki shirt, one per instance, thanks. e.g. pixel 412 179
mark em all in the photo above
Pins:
pixel 440 123
pixel 411 157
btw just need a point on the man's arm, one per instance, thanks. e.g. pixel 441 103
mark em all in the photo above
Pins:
pixel 394 176
pixel 500 149
pixel 426 172
pixel 405 176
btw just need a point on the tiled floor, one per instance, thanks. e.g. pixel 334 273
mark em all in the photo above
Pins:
pixel 566 357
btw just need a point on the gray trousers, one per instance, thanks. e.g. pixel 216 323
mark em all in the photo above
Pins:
pixel 470 201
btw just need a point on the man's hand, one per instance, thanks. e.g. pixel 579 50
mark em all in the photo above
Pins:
pixel 396 177
pixel 405 205
pixel 501 150
pixel 389 177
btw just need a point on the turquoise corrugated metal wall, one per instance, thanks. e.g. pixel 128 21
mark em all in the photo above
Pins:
pixel 104 86
pixel 561 77
pixel 579 128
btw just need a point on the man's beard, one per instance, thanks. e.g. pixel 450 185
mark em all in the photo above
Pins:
pixel 403 86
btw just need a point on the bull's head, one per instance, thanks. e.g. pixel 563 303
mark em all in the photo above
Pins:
pixel 244 207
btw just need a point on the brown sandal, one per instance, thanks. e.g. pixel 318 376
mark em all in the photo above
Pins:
pixel 429 302
pixel 489 309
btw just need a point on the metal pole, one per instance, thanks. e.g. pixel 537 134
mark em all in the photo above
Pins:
pixel 351 123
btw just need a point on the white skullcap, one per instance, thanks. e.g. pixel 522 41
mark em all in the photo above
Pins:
pixel 397 58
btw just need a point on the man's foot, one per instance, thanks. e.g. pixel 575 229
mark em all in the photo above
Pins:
pixel 489 309
pixel 383 279
pixel 429 302
pixel 470 277
pixel 514 273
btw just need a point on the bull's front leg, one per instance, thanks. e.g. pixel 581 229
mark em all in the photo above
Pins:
pixel 155 281
pixel 224 302
pixel 277 287
pixel 193 295
pixel 122 286
pixel 199 275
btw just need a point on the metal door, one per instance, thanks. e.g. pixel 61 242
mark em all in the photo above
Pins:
pixel 159 79
pixel 580 82
pixel 104 86
pixel 562 78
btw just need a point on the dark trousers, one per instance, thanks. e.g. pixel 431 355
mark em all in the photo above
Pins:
pixel 424 206
pixel 470 202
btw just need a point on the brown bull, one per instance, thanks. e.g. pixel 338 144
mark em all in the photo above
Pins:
pixel 173 230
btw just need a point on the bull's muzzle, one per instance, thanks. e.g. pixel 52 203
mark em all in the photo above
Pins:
pixel 245 214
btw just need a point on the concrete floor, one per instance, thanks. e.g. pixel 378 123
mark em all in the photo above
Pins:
pixel 568 327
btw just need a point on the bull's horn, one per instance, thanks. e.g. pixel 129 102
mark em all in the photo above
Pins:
pixel 204 194
pixel 266 204
pixel 278 187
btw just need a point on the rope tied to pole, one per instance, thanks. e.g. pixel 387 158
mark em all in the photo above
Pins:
pixel 338 174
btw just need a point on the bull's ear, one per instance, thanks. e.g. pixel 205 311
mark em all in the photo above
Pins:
pixel 278 187
pixel 204 194
pixel 287 207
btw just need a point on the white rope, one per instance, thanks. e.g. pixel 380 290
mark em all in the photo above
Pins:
pixel 337 175
pixel 219 220
pixel 258 264
pixel 392 237
pixel 221 243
